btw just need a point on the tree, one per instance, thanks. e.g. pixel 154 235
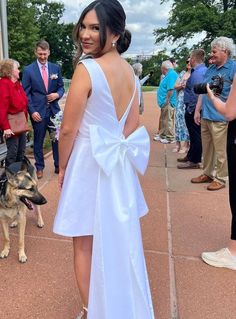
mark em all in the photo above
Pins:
pixel 22 30
pixel 59 35
pixel 29 21
pixel 154 64
pixel 188 17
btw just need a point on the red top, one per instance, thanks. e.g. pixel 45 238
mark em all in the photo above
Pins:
pixel 12 100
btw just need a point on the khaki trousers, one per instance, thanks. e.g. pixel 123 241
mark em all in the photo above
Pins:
pixel 214 139
pixel 167 124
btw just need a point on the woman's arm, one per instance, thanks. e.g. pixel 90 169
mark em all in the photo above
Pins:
pixel 178 85
pixel 227 109
pixel 74 109
pixel 197 114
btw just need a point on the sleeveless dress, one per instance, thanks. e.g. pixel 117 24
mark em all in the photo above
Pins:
pixel 102 196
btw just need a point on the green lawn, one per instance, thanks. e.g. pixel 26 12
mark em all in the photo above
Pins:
pixel 148 88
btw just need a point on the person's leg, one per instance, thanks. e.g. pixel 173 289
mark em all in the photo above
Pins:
pixel 231 157
pixel 39 135
pixel 170 123
pixel 208 150
pixel 195 150
pixel 12 147
pixel 226 257
pixel 21 147
pixel 54 143
pixel 162 123
pixel 219 136
pixel 82 264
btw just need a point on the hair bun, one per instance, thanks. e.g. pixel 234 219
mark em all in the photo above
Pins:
pixel 124 42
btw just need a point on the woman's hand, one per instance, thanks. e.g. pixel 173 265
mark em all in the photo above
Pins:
pixel 61 177
pixel 210 92
pixel 8 133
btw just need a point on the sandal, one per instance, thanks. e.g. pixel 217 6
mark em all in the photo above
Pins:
pixel 83 313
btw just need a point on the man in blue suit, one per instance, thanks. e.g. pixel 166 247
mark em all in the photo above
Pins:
pixel 43 85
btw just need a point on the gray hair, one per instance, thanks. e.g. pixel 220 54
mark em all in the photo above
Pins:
pixel 224 43
pixel 138 68
pixel 167 65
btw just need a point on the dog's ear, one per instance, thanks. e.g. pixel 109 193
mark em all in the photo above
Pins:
pixel 24 166
pixel 10 175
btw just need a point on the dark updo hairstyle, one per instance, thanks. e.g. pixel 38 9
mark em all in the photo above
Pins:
pixel 110 15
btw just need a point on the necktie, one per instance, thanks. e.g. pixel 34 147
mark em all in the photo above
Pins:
pixel 45 76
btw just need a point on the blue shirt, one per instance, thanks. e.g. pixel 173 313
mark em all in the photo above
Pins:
pixel 228 71
pixel 167 84
pixel 196 77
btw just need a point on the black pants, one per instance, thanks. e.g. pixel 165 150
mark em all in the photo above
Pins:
pixel 195 151
pixel 231 156
pixel 15 149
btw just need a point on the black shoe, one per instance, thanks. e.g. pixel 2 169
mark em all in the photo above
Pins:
pixel 56 170
pixel 182 159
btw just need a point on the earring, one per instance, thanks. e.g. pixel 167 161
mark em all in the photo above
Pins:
pixel 113 44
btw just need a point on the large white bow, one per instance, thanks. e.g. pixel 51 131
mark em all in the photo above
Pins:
pixel 107 148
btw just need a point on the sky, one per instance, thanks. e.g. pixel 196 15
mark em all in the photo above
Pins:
pixel 143 16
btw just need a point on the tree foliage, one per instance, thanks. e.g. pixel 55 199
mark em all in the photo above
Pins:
pixel 154 64
pixel 188 17
pixel 29 21
pixel 22 30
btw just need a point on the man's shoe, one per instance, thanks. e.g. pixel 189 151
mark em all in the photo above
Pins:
pixel 56 171
pixel 201 179
pixel 220 258
pixel 188 165
pixel 182 159
pixel 39 174
pixel 215 186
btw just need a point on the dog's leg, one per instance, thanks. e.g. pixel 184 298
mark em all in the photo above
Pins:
pixel 21 226
pixel 40 222
pixel 6 238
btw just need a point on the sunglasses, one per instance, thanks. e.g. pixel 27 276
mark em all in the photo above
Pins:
pixel 188 61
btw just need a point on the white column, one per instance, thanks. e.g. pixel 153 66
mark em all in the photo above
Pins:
pixel 3 31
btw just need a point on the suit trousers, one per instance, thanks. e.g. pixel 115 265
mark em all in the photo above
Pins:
pixel 214 137
pixel 15 149
pixel 40 129
pixel 231 156
pixel 166 124
pixel 195 151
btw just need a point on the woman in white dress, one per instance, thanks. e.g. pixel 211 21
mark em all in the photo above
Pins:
pixel 101 148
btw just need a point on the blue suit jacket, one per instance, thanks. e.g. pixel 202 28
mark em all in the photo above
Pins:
pixel 35 90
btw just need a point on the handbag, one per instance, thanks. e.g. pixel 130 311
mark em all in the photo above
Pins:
pixel 18 123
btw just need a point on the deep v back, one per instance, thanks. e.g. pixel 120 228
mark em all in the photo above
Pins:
pixel 128 107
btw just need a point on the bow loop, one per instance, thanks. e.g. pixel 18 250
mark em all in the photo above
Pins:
pixel 108 149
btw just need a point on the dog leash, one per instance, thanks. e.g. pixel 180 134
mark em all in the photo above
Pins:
pixel 3 184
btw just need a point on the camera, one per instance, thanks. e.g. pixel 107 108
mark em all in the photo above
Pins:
pixel 216 85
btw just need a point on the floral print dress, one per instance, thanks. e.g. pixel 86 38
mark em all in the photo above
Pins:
pixel 181 131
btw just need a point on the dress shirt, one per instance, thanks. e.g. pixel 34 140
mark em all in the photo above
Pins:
pixel 196 77
pixel 228 71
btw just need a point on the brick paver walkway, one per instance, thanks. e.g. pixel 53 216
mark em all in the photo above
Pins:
pixel 184 220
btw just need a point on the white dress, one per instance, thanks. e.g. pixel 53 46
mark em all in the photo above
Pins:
pixel 101 196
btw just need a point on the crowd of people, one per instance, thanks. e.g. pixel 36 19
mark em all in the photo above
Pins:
pixel 203 103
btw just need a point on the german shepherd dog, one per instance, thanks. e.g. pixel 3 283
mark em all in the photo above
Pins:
pixel 18 191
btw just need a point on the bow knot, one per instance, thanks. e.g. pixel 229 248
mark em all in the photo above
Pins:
pixel 108 148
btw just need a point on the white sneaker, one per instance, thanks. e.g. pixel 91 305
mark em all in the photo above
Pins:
pixel 156 137
pixel 220 258
pixel 164 141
